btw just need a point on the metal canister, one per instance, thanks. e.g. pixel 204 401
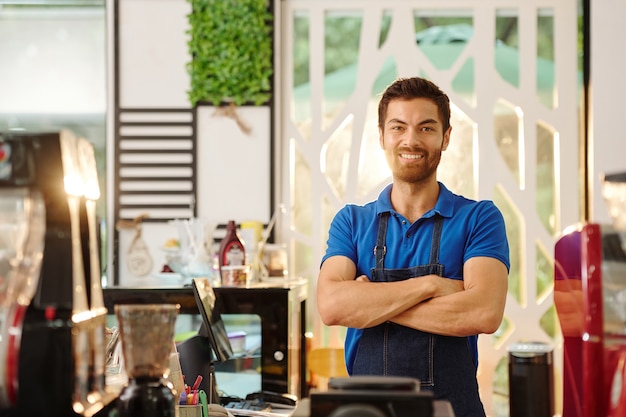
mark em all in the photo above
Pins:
pixel 531 380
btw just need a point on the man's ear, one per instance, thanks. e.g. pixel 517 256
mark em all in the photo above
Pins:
pixel 446 139
pixel 381 138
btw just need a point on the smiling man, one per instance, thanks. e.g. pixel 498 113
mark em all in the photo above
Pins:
pixel 419 273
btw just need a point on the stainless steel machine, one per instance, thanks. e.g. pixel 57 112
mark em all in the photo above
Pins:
pixel 590 299
pixel 52 310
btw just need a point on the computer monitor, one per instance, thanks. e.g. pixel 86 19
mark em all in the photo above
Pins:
pixel 212 324
pixel 211 344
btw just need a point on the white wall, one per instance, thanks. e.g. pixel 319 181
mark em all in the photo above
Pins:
pixel 608 91
pixel 34 75
pixel 153 53
pixel 233 168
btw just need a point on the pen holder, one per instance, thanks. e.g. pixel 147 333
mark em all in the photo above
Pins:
pixel 199 409
pixel 190 411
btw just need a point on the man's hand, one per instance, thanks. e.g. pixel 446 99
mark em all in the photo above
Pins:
pixel 446 286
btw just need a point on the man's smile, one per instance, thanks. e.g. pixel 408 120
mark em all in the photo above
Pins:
pixel 411 156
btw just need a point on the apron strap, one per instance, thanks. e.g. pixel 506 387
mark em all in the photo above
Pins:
pixel 380 249
pixel 436 240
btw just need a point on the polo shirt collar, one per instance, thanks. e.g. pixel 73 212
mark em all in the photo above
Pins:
pixel 443 207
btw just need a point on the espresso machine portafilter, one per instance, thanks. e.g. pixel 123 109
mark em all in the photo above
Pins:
pixel 56 365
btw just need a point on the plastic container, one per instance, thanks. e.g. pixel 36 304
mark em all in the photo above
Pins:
pixel 235 276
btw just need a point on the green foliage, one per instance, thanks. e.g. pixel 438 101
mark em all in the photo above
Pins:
pixel 231 49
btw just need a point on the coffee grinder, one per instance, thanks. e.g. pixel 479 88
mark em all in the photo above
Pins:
pixel 590 299
pixel 58 363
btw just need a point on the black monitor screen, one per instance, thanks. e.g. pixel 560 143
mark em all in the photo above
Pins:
pixel 213 325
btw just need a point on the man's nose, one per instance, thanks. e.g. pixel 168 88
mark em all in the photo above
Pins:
pixel 412 136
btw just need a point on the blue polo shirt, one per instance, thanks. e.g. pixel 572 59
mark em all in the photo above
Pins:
pixel 470 229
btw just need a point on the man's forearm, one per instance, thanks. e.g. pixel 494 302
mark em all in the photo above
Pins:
pixel 458 314
pixel 362 304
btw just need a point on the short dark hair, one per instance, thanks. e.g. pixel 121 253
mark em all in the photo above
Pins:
pixel 415 87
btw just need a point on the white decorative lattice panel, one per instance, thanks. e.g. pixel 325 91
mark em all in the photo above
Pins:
pixel 514 140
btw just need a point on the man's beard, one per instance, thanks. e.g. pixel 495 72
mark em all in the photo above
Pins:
pixel 423 172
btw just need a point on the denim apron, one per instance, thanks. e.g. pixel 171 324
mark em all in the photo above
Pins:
pixel 442 364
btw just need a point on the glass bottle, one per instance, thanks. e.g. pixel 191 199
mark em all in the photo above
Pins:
pixel 231 250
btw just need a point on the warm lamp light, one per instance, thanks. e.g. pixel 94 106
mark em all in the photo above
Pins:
pixel 72 173
pixel 87 161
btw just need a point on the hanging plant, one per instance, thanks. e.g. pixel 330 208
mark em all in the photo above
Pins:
pixel 231 50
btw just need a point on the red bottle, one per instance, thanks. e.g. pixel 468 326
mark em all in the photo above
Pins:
pixel 231 249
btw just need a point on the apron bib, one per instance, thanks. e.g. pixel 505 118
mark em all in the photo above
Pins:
pixel 442 364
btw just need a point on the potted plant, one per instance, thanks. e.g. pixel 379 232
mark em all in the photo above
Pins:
pixel 231 50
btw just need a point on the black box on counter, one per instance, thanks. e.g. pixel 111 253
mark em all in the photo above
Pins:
pixel 374 396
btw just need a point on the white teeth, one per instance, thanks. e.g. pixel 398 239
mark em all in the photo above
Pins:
pixel 411 156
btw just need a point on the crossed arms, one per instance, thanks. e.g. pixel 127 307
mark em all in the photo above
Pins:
pixel 430 303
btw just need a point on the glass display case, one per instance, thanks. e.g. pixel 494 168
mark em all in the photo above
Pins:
pixel 266 326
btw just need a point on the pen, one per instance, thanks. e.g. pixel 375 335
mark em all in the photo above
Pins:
pixel 197 383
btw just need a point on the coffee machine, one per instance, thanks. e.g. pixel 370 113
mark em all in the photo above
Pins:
pixel 53 359
pixel 590 300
